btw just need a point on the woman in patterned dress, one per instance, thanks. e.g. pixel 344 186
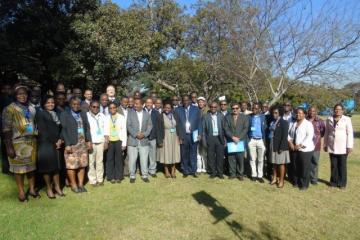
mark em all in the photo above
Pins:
pixel 76 133
pixel 19 137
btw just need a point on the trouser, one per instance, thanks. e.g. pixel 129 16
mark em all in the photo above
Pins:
pixel 236 164
pixel 257 150
pixel 4 160
pixel 133 153
pixel 303 166
pixel 215 154
pixel 152 156
pixel 291 169
pixel 268 167
pixel 126 163
pixel 338 170
pixel 314 166
pixel 96 164
pixel 202 158
pixel 188 152
pixel 114 163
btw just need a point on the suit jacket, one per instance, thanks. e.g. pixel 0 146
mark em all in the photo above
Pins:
pixel 238 129
pixel 207 126
pixel 280 137
pixel 340 136
pixel 160 129
pixel 84 106
pixel 69 129
pixel 48 130
pixel 133 128
pixel 263 126
pixel 154 117
pixel 194 119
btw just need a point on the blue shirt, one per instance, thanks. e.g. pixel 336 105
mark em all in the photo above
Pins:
pixel 255 130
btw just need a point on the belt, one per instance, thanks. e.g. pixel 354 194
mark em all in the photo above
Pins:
pixel 256 138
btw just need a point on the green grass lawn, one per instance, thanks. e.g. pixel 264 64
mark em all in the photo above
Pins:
pixel 190 209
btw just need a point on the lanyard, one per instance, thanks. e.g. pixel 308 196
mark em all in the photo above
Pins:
pixel 113 120
pixel 97 120
pixel 170 117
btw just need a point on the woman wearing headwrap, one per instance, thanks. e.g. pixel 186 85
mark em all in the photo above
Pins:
pixel 20 140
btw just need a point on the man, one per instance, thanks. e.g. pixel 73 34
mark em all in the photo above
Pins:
pixel 77 93
pixel 194 98
pixel 60 88
pixel 189 127
pixel 244 108
pixel 265 108
pixel 111 92
pixel 139 127
pixel 319 131
pixel 123 109
pixel 288 113
pixel 214 133
pixel 35 97
pixel 137 95
pixel 158 105
pixel 5 100
pixel 202 147
pixel 257 143
pixel 236 126
pixel 153 96
pixel 131 103
pixel 175 102
pixel 96 121
pixel 152 137
pixel 60 102
pixel 104 102
pixel 88 97
pixel 224 108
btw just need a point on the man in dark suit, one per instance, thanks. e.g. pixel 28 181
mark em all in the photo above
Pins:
pixel 190 122
pixel 88 97
pixel 214 133
pixel 236 127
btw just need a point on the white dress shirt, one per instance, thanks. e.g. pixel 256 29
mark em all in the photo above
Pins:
pixel 303 134
pixel 120 124
pixel 140 118
pixel 104 110
pixel 96 123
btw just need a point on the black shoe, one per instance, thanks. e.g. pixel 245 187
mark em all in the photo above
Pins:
pixel 132 180
pixel 53 197
pixel 82 189
pixel 153 175
pixel 232 177
pixel 314 183
pixel 212 176
pixel 195 175
pixel 100 184
pixel 185 175
pixel 24 199
pixel 253 179
pixel 118 181
pixel 303 188
pixel 146 180
pixel 261 180
pixel 113 181
pixel 76 190
pixel 60 194
pixel 342 188
pixel 241 178
pixel 33 195
pixel 295 185
pixel 221 176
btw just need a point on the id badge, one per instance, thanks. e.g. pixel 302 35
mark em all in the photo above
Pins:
pixel 187 125
pixel 215 132
pixel 80 131
pixel 172 130
pixel 253 128
pixel 99 132
pixel 114 133
pixel 29 128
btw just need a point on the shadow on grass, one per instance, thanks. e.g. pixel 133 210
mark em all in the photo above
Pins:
pixel 356 134
pixel 221 213
pixel 327 183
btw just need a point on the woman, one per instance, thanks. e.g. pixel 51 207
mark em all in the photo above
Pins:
pixel 20 140
pixel 77 138
pixel 301 133
pixel 49 143
pixel 278 147
pixel 115 142
pixel 339 142
pixel 167 139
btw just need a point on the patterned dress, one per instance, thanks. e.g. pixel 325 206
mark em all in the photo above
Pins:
pixel 79 156
pixel 19 120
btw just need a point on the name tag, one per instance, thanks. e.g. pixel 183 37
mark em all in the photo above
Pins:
pixel 80 131
pixel 114 133
pixel 172 130
pixel 215 132
pixel 29 128
pixel 253 128
pixel 187 125
pixel 99 132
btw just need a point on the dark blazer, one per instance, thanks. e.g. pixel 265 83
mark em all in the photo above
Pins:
pixel 84 106
pixel 207 126
pixel 238 129
pixel 280 138
pixel 263 126
pixel 48 130
pixel 194 119
pixel 160 130
pixel 154 116
pixel 69 129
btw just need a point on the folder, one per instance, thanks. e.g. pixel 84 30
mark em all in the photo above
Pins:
pixel 195 135
pixel 233 147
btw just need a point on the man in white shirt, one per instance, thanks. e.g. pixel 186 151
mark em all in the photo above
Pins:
pixel 104 101
pixel 111 92
pixel 288 114
pixel 96 165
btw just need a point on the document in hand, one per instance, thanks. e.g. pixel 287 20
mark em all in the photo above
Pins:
pixel 233 147
pixel 195 135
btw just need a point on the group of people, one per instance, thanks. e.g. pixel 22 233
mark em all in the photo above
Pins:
pixel 71 135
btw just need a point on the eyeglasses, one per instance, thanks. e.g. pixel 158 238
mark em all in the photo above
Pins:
pixel 112 107
pixel 95 106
